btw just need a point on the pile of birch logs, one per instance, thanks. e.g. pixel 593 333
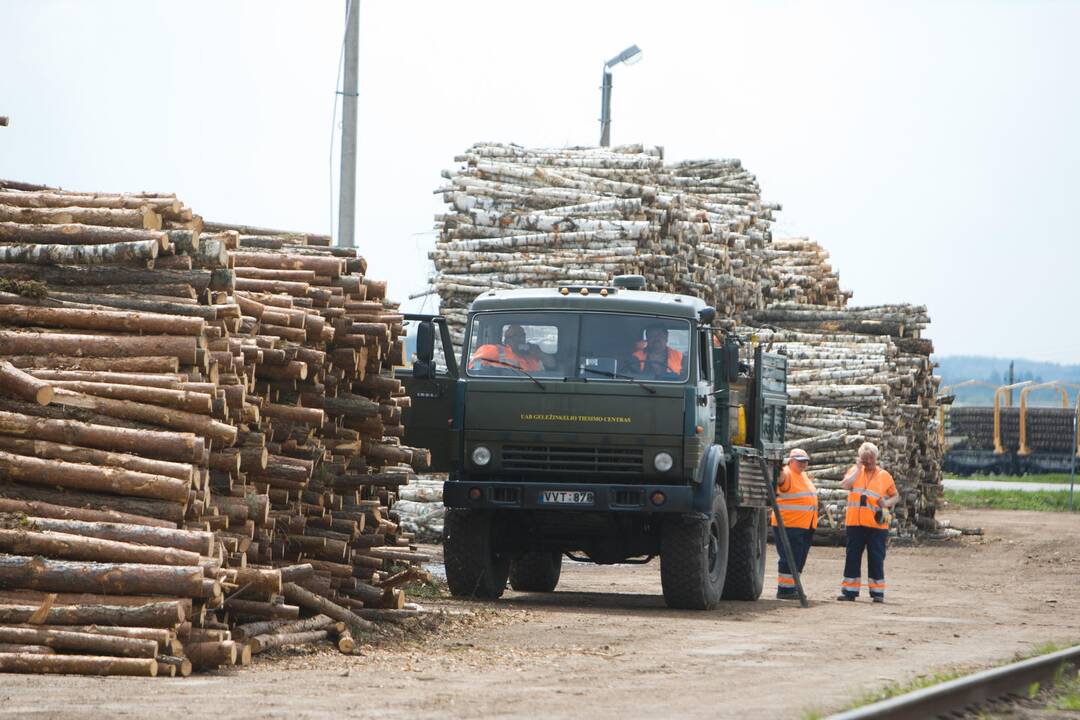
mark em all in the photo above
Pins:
pixel 420 507
pixel 521 217
pixel 859 374
pixel 541 217
pixel 199 433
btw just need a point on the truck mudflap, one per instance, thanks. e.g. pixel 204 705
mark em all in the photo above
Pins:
pixel 590 497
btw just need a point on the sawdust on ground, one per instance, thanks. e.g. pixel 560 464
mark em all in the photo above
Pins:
pixel 604 645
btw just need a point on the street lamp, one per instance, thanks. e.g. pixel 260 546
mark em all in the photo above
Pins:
pixel 628 56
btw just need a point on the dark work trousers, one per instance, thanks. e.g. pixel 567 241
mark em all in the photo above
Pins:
pixel 800 539
pixel 873 541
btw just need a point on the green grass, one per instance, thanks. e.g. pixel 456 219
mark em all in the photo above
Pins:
pixel 1045 500
pixel 1059 478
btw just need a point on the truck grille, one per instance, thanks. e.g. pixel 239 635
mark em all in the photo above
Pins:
pixel 571 459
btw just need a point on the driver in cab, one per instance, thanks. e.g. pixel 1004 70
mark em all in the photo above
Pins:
pixel 653 358
pixel 515 351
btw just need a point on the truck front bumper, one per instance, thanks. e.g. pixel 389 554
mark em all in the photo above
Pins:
pixel 543 496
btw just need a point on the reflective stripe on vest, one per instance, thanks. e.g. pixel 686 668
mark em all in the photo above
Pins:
pixel 797 510
pixel 674 360
pixel 862 502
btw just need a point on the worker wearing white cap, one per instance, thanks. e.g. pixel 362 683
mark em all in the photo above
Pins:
pixel 797 498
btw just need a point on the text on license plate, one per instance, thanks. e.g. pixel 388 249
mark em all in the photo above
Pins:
pixel 567 497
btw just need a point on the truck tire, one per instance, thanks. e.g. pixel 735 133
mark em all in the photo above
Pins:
pixel 694 558
pixel 746 562
pixel 536 571
pixel 473 568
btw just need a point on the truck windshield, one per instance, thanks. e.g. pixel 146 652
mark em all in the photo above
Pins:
pixel 608 347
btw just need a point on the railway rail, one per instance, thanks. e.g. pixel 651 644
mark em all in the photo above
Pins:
pixel 948 698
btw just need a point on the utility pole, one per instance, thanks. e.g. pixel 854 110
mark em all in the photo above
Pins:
pixel 1012 380
pixel 629 56
pixel 347 197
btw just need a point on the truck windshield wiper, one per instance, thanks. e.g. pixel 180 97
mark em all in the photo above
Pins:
pixel 620 376
pixel 514 366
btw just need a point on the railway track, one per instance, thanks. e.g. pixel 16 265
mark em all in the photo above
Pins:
pixel 948 698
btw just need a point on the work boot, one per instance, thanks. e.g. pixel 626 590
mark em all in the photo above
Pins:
pixel 846 598
pixel 879 599
pixel 782 595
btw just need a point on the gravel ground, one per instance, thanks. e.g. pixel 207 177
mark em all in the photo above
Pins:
pixel 604 645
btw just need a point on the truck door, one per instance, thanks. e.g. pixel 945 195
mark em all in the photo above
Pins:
pixel 432 387
pixel 769 408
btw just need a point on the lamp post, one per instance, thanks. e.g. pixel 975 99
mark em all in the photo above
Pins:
pixel 629 56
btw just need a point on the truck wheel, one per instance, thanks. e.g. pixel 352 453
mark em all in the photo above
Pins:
pixel 746 565
pixel 694 559
pixel 535 571
pixel 473 569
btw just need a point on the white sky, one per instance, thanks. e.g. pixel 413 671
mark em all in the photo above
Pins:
pixel 932 148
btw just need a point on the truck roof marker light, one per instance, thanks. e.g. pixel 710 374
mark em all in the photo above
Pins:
pixel 603 292
pixel 584 291
pixel 658 498
pixel 564 291
pixel 474 493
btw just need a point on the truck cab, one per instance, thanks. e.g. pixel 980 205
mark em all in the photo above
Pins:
pixel 604 424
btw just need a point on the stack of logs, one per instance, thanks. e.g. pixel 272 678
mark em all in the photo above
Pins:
pixel 521 217
pixel 860 374
pixel 199 430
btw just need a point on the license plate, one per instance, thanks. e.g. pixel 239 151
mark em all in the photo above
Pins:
pixel 567 497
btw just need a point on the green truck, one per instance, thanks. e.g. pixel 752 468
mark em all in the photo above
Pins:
pixel 604 424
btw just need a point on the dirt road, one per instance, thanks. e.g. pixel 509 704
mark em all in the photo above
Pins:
pixel 604 646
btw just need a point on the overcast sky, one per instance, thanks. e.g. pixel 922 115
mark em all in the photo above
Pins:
pixel 932 147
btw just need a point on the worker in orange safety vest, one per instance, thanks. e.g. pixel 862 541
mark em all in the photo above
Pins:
pixel 871 494
pixel 797 498
pixel 653 356
pixel 515 351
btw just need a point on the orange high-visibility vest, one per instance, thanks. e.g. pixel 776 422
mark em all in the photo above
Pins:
pixel 502 354
pixel 674 359
pixel 866 495
pixel 798 500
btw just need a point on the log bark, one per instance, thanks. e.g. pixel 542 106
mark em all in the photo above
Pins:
pixel 93 643
pixel 143 218
pixel 191 402
pixel 70 453
pixel 181 664
pixel 36 573
pixel 258 608
pixel 317 603
pixel 151 414
pixel 182 447
pixel 51 544
pixel 24 386
pixel 43 510
pixel 57 473
pixel 260 643
pixel 105 254
pixel 8 648
pixel 163 614
pixel 132 507
pixel 27 342
pixel 110 320
pixel 77 665
pixel 148 364
pixel 208 655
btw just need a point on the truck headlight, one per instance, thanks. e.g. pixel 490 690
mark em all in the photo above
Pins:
pixel 481 455
pixel 663 461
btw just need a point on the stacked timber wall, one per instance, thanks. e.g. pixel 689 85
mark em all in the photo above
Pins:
pixel 199 438
pixel 537 217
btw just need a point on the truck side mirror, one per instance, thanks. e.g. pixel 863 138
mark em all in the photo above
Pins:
pixel 706 315
pixel 424 365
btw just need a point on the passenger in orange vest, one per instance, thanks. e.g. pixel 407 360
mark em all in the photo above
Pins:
pixel 871 492
pixel 798 501
pixel 654 358
pixel 515 351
